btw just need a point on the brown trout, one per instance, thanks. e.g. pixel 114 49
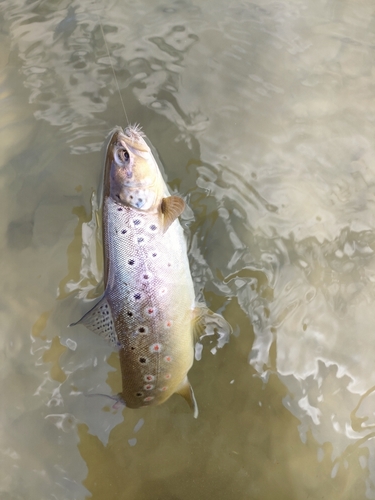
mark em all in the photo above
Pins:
pixel 148 309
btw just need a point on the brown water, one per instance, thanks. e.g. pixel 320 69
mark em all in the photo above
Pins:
pixel 263 114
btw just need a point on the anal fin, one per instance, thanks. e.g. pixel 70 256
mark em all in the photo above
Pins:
pixel 186 391
pixel 99 320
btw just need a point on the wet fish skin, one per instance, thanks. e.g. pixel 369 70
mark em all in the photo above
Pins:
pixel 151 296
pixel 148 307
pixel 148 310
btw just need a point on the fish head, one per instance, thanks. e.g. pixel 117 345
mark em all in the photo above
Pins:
pixel 132 176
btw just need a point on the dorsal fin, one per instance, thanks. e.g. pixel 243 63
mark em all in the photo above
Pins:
pixel 186 391
pixel 171 208
pixel 99 320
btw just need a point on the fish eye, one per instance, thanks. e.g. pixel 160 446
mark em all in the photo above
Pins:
pixel 123 155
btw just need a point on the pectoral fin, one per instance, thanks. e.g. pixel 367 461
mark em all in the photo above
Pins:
pixel 171 208
pixel 99 320
pixel 207 323
pixel 186 391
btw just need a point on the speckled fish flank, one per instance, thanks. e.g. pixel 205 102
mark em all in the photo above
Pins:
pixel 148 309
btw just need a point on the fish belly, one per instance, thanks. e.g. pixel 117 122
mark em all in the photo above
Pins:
pixel 150 292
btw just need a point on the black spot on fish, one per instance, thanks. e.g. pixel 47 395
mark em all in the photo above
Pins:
pixel 143 360
pixel 130 262
pixel 130 314
pixel 132 348
pixel 154 254
pixel 137 296
pixel 153 227
pixel 119 209
pixel 145 276
pixel 139 394
pixel 123 231
pixel 141 330
pixel 137 222
pixel 140 240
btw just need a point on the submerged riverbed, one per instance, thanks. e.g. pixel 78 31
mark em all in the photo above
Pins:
pixel 263 116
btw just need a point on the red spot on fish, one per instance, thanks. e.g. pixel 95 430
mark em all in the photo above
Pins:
pixel 155 348
pixel 149 398
pixel 149 378
pixel 167 376
pixel 163 388
pixel 168 324
pixel 150 311
pixel 148 387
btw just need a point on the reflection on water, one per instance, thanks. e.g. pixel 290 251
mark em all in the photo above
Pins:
pixel 263 116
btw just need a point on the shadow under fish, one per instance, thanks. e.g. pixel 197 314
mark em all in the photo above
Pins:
pixel 148 311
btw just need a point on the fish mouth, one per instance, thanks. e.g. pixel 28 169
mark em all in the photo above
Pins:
pixel 134 131
pixel 133 137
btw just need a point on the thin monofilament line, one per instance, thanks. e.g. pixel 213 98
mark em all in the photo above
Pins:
pixel 113 71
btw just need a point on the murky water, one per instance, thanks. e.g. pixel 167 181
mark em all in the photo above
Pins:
pixel 263 114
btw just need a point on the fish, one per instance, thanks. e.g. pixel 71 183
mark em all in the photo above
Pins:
pixel 148 311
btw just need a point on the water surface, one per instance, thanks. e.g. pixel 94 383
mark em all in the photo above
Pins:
pixel 263 116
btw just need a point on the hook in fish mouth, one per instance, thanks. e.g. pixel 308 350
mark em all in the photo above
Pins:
pixel 134 131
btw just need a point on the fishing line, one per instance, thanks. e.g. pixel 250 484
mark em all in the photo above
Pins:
pixel 113 70
pixel 117 400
